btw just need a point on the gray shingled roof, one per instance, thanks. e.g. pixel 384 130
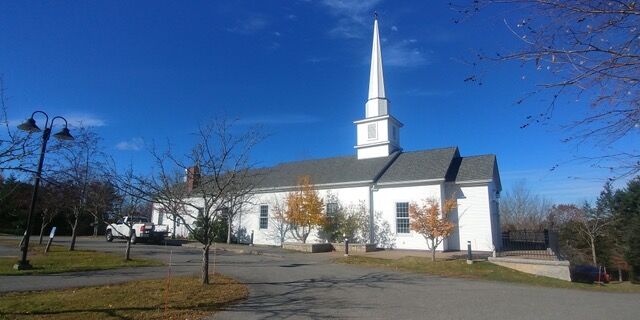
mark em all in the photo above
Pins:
pixel 483 167
pixel 444 163
pixel 476 168
pixel 420 165
pixel 323 171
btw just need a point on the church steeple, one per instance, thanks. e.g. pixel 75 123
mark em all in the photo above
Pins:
pixel 378 134
pixel 377 104
pixel 376 77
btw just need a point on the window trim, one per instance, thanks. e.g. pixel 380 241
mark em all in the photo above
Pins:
pixel 224 212
pixel 331 213
pixel 261 217
pixel 375 131
pixel 407 218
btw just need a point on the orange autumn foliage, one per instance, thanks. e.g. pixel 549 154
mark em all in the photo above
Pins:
pixel 305 209
pixel 431 222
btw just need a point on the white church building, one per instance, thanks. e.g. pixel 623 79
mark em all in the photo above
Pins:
pixel 386 179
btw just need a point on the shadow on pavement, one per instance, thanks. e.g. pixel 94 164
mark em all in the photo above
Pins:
pixel 310 298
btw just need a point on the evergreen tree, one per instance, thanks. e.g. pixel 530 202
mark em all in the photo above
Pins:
pixel 607 242
pixel 627 212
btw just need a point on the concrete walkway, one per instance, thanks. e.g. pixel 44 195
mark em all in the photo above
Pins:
pixel 242 249
pixel 399 254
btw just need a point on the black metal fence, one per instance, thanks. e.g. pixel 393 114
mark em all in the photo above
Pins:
pixel 530 244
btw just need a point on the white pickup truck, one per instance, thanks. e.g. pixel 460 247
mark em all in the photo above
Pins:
pixel 143 230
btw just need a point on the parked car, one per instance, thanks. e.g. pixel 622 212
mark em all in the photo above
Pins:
pixel 589 274
pixel 143 230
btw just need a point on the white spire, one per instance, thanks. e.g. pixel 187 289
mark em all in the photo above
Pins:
pixel 377 104
pixel 378 134
pixel 376 77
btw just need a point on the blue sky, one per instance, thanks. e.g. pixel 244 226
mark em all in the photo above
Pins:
pixel 142 72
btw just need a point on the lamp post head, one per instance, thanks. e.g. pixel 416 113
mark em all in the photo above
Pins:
pixel 29 126
pixel 64 134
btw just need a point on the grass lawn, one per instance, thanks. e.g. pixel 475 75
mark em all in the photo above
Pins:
pixel 59 259
pixel 178 298
pixel 480 270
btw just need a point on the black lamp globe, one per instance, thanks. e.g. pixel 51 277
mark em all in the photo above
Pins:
pixel 29 126
pixel 64 134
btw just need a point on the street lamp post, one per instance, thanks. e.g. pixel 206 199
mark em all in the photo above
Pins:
pixel 30 126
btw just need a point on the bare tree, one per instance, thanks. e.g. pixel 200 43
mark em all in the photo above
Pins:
pixel 101 198
pixel 235 203
pixel 80 164
pixel 51 203
pixel 224 172
pixel 165 188
pixel 521 209
pixel 278 221
pixel 590 223
pixel 591 50
pixel 15 147
pixel 130 200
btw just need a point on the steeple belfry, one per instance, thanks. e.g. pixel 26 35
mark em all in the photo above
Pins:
pixel 377 104
pixel 378 134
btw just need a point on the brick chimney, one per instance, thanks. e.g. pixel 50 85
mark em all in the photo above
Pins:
pixel 193 178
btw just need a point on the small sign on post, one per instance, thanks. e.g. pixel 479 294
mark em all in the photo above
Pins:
pixel 469 254
pixel 51 235
pixel 21 245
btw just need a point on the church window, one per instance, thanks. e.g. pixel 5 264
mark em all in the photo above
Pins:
pixel 264 217
pixel 372 131
pixel 332 208
pixel 394 132
pixel 402 217
pixel 160 217
pixel 224 212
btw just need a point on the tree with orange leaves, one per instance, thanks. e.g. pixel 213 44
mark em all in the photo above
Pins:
pixel 304 209
pixel 432 222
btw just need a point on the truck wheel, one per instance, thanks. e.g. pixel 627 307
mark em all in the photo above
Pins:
pixel 109 236
pixel 134 239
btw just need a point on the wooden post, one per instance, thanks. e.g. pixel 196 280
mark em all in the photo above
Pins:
pixel 346 246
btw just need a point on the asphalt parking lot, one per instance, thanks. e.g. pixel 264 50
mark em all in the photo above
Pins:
pixel 296 285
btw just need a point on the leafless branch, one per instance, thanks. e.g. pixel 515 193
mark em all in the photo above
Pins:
pixel 591 50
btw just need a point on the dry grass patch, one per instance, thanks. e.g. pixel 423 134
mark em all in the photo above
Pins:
pixel 483 270
pixel 60 259
pixel 178 298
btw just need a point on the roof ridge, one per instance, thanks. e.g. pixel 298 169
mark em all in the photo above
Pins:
pixel 354 156
pixel 309 160
pixel 434 149
pixel 480 155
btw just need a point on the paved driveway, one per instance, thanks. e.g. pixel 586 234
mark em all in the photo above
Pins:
pixel 310 286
